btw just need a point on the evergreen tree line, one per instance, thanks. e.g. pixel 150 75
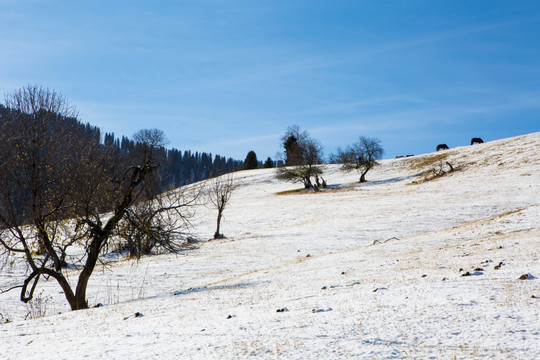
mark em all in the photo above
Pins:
pixel 178 167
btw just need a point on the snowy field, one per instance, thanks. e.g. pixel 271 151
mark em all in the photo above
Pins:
pixel 406 266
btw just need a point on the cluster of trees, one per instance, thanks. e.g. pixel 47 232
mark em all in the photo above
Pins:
pixel 62 187
pixel 179 168
pixel 251 162
pixel 303 158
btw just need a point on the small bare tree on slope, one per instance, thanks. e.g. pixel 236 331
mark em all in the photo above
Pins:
pixel 159 221
pixel 219 193
pixel 361 156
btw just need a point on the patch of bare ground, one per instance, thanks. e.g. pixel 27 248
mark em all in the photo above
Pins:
pixel 437 170
pixel 342 188
pixel 420 164
pixel 329 189
pixel 292 192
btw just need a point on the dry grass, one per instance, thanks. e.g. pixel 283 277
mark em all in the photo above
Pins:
pixel 425 163
pixel 294 192
pixel 437 171
pixel 344 188
pixel 320 191
pixel 301 259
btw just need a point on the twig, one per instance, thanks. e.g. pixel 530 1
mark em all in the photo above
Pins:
pixel 382 242
pixel 14 287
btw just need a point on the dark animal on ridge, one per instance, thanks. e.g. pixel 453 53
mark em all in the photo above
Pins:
pixel 442 147
pixel 477 141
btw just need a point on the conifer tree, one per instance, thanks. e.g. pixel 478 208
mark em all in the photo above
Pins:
pixel 251 161
pixel 269 163
pixel 303 157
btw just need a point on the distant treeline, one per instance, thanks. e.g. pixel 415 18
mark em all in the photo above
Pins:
pixel 178 167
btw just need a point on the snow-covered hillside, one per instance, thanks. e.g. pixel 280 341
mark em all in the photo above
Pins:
pixel 408 265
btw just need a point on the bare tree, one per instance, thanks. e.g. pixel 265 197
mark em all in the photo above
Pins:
pixel 148 140
pixel 152 138
pixel 303 154
pixel 60 189
pixel 160 224
pixel 157 222
pixel 150 146
pixel 293 145
pixel 219 193
pixel 361 156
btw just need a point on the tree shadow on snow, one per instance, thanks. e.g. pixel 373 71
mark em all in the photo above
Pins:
pixel 220 287
pixel 389 181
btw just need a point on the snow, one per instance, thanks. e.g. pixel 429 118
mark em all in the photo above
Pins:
pixel 372 270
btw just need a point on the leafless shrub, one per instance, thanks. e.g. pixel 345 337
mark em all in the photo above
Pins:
pixel 37 307
pixel 159 225
pixel 425 163
pixel 442 168
pixel 219 193
pixel 439 169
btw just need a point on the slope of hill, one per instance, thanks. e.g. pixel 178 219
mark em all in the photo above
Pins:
pixel 411 264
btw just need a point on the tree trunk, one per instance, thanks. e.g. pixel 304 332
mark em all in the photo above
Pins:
pixel 59 277
pixel 101 235
pixel 68 292
pixel 363 177
pixel 84 277
pixel 217 235
pixel 80 293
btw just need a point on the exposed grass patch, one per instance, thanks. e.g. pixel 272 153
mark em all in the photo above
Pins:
pixel 420 164
pixel 303 191
pixel 506 213
pixel 292 192
pixel 438 170
pixel 335 188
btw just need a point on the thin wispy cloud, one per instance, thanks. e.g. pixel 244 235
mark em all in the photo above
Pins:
pixel 233 76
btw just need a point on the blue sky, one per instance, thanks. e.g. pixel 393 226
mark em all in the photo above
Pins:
pixel 230 76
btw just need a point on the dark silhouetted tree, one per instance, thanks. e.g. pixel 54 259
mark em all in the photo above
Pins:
pixel 269 163
pixel 303 157
pixel 251 161
pixel 294 145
